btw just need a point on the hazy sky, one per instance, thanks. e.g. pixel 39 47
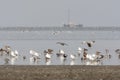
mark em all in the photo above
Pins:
pixel 55 12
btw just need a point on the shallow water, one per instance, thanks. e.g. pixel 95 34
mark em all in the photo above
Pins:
pixel 40 41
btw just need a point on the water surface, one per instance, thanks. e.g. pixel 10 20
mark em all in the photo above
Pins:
pixel 42 40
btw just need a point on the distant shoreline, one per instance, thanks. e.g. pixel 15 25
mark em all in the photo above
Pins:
pixel 59 28
pixel 77 72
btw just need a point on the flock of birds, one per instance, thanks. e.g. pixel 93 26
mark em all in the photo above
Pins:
pixel 10 55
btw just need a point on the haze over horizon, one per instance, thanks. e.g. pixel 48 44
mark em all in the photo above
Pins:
pixel 55 12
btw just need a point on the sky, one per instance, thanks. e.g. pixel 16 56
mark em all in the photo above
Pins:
pixel 55 12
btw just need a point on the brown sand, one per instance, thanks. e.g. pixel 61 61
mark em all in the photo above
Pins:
pixel 79 72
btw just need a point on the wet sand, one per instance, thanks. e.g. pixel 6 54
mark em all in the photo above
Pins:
pixel 56 72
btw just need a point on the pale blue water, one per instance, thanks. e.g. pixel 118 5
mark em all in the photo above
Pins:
pixel 40 41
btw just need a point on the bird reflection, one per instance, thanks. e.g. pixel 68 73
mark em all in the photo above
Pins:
pixel 48 62
pixel 62 60
pixel 72 62
pixel 34 60
pixel 6 60
pixel 88 62
pixel 13 60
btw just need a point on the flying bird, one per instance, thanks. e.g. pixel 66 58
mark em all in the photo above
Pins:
pixel 61 43
pixel 89 43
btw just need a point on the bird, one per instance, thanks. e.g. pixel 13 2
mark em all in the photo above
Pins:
pixel 60 53
pixel 84 55
pixel 48 56
pixel 34 53
pixel 35 56
pixel 80 50
pixel 89 43
pixel 7 49
pixel 65 56
pixel 117 51
pixel 62 44
pixel 100 56
pixel 107 53
pixel 48 51
pixel 34 59
pixel 91 57
pixel 14 53
pixel 2 51
pixel 85 49
pixel 24 57
pixel 73 56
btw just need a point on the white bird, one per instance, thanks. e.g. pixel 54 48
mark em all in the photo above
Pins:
pixel 48 56
pixel 73 56
pixel 7 47
pixel 91 56
pixel 34 53
pixel 80 50
pixel 60 53
pixel 14 53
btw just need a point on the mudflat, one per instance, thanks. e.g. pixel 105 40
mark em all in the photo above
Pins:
pixel 59 72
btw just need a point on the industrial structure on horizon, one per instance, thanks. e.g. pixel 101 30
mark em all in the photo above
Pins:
pixel 61 28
